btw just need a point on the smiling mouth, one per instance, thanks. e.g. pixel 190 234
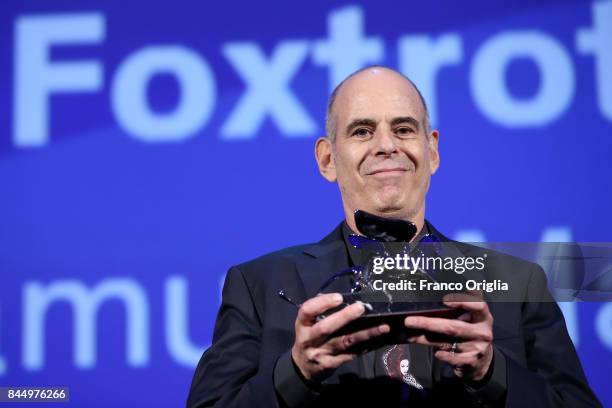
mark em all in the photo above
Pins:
pixel 387 171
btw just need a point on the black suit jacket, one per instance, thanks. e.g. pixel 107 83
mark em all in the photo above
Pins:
pixel 255 330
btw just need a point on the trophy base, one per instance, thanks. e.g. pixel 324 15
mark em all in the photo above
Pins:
pixel 393 314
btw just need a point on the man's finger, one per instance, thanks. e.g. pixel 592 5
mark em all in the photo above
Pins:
pixel 479 310
pixel 313 307
pixel 462 347
pixel 332 323
pixel 450 327
pixel 457 359
pixel 439 345
pixel 353 341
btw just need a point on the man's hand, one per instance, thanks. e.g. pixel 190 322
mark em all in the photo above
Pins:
pixel 473 332
pixel 315 352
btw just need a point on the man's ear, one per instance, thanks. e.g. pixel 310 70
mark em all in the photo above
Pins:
pixel 325 161
pixel 434 153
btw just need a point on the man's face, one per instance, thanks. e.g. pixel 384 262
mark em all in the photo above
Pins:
pixel 382 156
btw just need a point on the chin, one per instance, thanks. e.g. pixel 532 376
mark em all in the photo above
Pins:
pixel 395 209
pixel 390 201
pixel 389 209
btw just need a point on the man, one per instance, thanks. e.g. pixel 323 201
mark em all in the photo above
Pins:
pixel 380 150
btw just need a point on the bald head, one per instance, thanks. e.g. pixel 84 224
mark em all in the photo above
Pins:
pixel 371 78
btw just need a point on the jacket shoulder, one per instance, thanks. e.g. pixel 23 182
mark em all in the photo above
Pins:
pixel 284 256
pixel 281 259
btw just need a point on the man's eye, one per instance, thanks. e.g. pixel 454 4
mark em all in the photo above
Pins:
pixel 361 132
pixel 404 131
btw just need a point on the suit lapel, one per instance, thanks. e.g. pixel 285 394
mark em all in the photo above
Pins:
pixel 321 261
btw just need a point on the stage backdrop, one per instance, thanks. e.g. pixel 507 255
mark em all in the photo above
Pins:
pixel 147 146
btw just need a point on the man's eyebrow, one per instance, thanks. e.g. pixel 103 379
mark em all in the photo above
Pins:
pixel 360 122
pixel 405 119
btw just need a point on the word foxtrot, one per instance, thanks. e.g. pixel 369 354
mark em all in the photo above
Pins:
pixel 268 79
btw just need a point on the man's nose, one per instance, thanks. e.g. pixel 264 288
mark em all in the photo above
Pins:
pixel 385 143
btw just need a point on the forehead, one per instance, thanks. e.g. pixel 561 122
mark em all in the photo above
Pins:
pixel 377 94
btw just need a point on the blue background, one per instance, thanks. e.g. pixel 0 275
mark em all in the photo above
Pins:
pixel 95 203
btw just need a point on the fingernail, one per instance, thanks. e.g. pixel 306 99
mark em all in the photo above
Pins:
pixel 384 328
pixel 337 298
